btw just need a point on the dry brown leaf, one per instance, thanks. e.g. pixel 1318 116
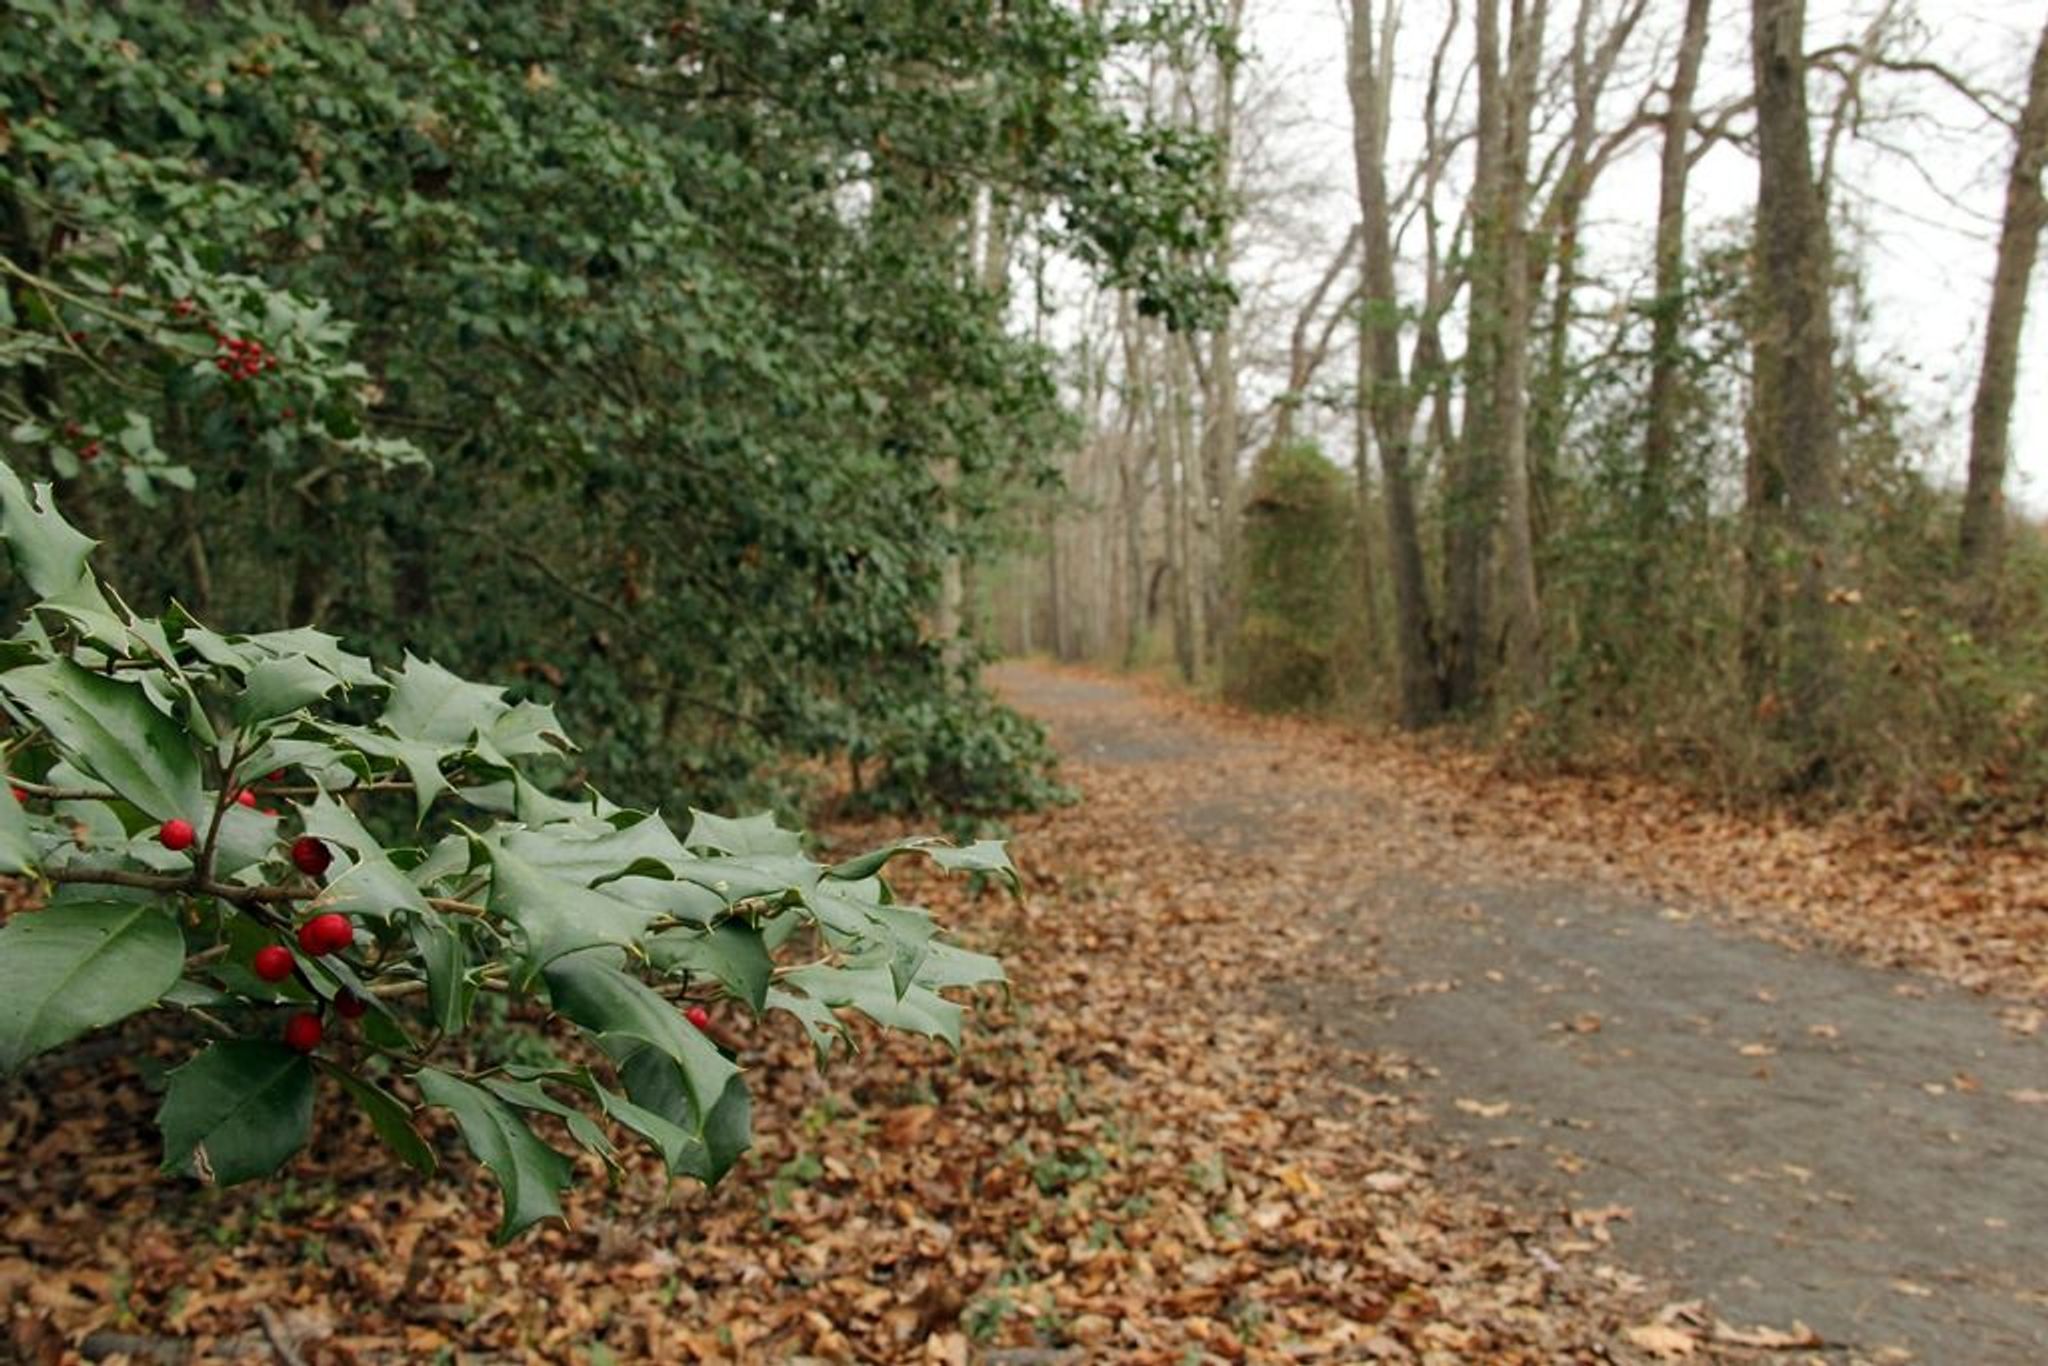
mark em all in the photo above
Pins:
pixel 1664 1341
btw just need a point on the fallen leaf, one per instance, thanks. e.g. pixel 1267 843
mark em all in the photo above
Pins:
pixel 1770 1339
pixel 1663 1340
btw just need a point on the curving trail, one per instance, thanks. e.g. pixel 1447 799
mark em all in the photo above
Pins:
pixel 1792 1137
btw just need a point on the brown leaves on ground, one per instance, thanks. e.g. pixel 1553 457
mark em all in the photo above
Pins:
pixel 1976 916
pixel 1135 1158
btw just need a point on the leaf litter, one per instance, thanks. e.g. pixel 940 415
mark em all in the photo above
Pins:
pixel 1132 1159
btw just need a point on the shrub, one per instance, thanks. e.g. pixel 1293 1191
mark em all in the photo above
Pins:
pixel 329 865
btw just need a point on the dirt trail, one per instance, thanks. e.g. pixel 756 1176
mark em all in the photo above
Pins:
pixel 1788 1135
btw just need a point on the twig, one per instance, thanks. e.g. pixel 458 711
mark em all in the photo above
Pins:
pixel 64 794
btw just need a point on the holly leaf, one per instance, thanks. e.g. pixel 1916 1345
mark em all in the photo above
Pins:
pixel 982 856
pixel 824 1028
pixel 588 856
pixel 281 685
pixel 237 1111
pixel 450 994
pixel 69 968
pixel 656 1083
pixel 528 1094
pixel 323 649
pixel 755 834
pixel 113 728
pixel 732 954
pixel 17 844
pixel 531 1175
pixel 370 884
pixel 50 554
pixel 682 1152
pixel 557 916
pixel 872 991
pixel 429 703
pixel 948 965
pixel 389 1117
pixel 594 991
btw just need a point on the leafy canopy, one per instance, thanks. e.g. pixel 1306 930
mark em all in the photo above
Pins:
pixel 644 354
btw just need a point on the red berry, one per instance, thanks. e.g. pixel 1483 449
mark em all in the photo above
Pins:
pixel 289 414
pixel 273 962
pixel 310 856
pixel 350 1006
pixel 326 933
pixel 89 451
pixel 175 835
pixel 276 776
pixel 272 812
pixel 245 798
pixel 302 1032
pixel 183 308
pixel 21 795
pixel 698 1016
pixel 225 364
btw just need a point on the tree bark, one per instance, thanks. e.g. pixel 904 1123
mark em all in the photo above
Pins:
pixel 1219 407
pixel 1795 450
pixel 1421 696
pixel 2019 241
pixel 1667 309
pixel 1473 500
pixel 1511 365
pixel 1177 455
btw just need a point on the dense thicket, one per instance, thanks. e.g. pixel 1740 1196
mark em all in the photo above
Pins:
pixel 651 354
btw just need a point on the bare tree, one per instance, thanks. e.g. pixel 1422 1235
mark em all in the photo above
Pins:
pixel 1660 436
pixel 1511 364
pixel 1586 152
pixel 2019 240
pixel 1369 80
pixel 1794 450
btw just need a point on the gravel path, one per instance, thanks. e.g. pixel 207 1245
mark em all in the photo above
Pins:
pixel 1792 1137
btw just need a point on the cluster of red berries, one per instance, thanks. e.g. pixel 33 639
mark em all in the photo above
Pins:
pixel 328 932
pixel 89 450
pixel 242 358
pixel 303 1031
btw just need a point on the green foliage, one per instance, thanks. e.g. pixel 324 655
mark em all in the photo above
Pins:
pixel 285 754
pixel 1297 582
pixel 1658 663
pixel 674 299
pixel 975 757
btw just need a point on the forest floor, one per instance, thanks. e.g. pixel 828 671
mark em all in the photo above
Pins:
pixel 1320 1049
pixel 1664 1035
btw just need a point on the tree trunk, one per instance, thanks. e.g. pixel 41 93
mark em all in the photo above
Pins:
pixel 1385 393
pixel 1795 451
pixel 1176 456
pixel 1474 481
pixel 1368 571
pixel 1667 310
pixel 1219 407
pixel 2019 240
pixel 1511 373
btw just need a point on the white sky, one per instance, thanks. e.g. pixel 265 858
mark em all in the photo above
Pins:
pixel 1926 235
